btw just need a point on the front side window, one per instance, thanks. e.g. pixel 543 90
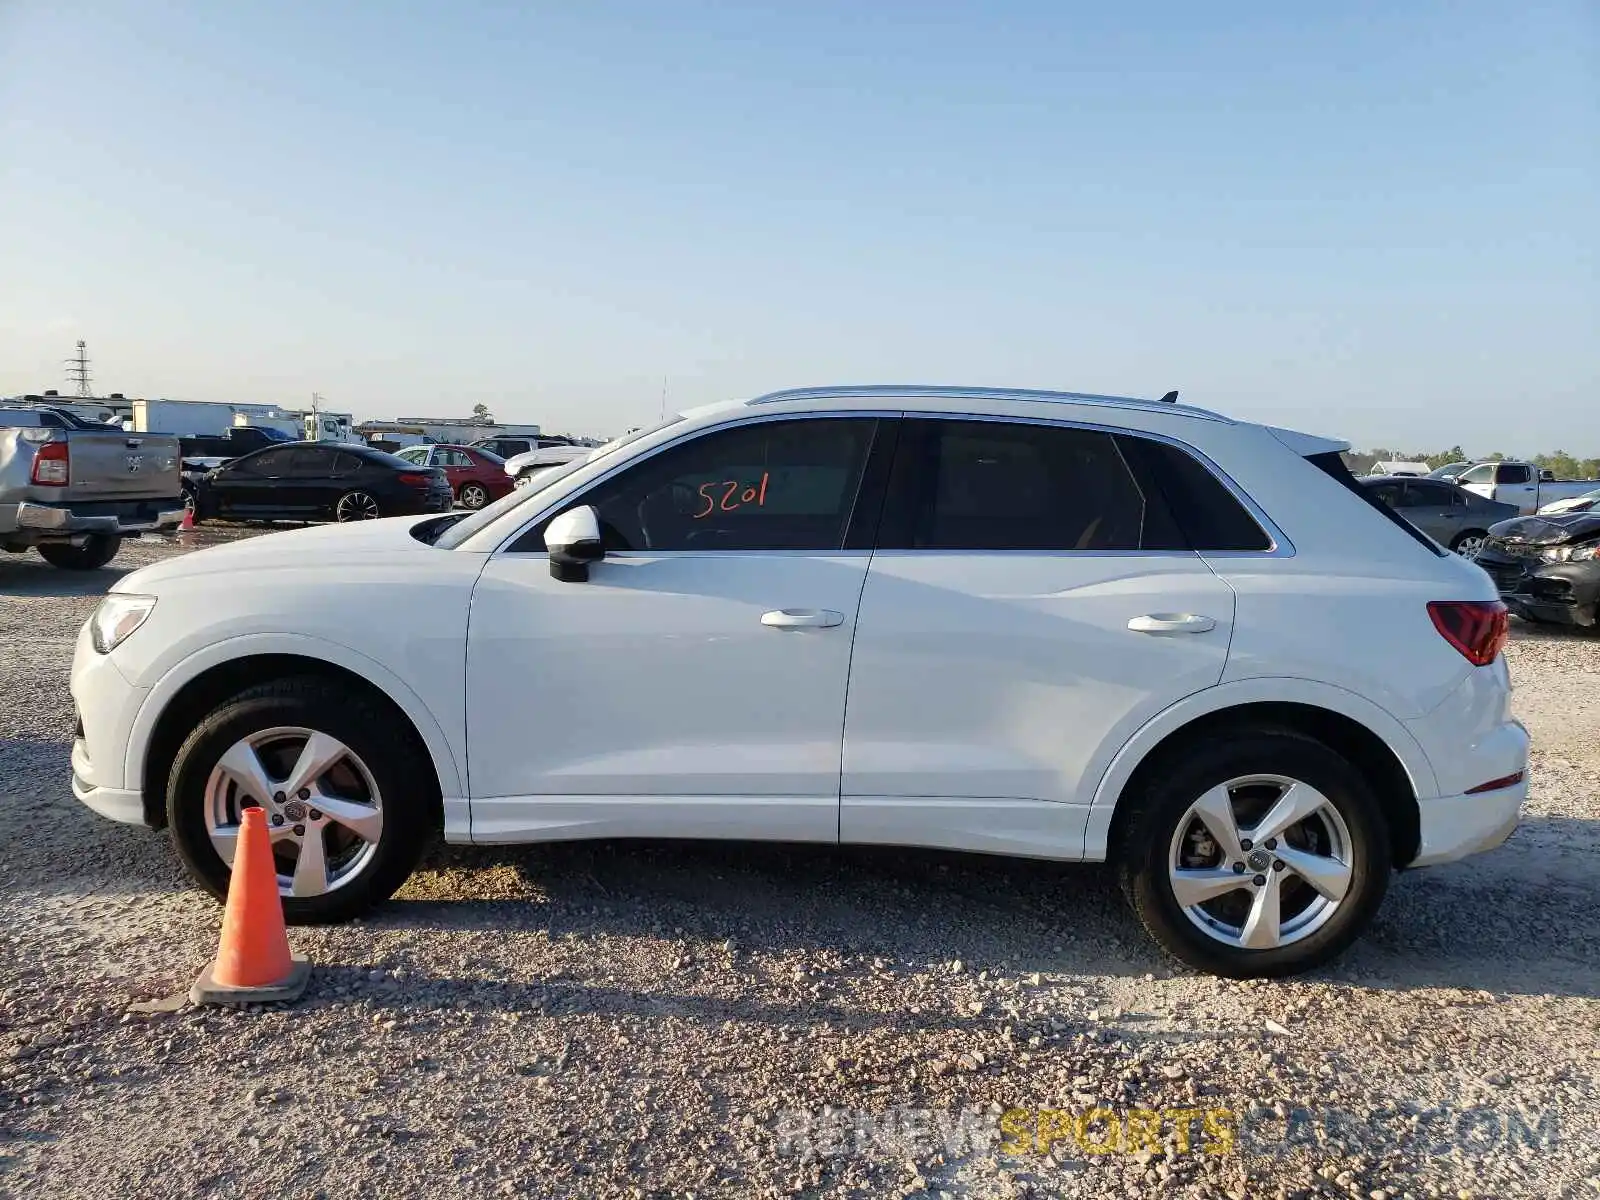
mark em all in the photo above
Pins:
pixel 771 485
pixel 1482 473
pixel 267 462
pixel 990 485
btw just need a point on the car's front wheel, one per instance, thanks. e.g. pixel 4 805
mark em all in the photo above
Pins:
pixel 1262 854
pixel 340 786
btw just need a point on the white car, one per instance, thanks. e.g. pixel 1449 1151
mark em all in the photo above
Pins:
pixel 524 468
pixel 1573 504
pixel 1026 623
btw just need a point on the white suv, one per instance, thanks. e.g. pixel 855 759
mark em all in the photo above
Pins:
pixel 1028 623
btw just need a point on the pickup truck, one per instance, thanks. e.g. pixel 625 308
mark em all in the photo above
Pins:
pixel 1523 484
pixel 73 490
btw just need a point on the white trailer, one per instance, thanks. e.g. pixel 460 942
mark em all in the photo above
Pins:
pixel 190 416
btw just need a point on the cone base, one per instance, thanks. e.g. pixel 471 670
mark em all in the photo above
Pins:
pixel 207 990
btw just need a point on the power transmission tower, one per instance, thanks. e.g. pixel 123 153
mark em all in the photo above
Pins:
pixel 78 370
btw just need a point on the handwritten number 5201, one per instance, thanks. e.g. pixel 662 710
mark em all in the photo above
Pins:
pixel 734 495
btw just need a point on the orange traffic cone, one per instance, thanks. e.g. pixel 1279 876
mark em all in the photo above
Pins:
pixel 188 518
pixel 253 964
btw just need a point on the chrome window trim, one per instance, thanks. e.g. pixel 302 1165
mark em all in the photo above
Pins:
pixel 687 436
pixel 1280 545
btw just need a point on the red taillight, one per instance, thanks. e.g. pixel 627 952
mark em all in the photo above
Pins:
pixel 1494 785
pixel 52 465
pixel 1477 628
pixel 412 479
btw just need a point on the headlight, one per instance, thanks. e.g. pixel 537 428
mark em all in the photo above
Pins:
pixel 1561 554
pixel 119 614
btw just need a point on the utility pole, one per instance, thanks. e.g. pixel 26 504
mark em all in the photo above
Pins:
pixel 78 370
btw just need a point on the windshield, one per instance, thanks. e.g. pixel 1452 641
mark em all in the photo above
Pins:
pixel 462 530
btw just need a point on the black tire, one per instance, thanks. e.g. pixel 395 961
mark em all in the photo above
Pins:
pixel 96 552
pixel 410 805
pixel 1143 849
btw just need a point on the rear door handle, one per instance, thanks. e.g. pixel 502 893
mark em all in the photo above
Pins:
pixel 1172 623
pixel 802 618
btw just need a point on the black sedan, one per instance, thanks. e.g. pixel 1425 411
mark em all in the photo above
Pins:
pixel 319 481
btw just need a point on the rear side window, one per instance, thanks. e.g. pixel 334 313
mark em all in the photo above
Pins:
pixel 1208 514
pixel 1333 466
pixel 999 485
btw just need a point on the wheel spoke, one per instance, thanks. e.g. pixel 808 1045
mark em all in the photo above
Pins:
pixel 1193 886
pixel 1329 876
pixel 311 869
pixel 244 767
pixel 363 820
pixel 1215 811
pixel 1263 927
pixel 226 839
pixel 317 756
pixel 1299 801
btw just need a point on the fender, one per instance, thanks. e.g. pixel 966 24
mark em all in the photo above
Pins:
pixel 1262 690
pixel 451 778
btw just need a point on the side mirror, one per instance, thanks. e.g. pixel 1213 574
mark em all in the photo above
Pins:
pixel 573 540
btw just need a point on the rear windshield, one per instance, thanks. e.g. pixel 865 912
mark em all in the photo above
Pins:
pixel 1333 465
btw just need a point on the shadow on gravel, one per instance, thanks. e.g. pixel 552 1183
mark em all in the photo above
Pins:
pixel 22 576
pixel 1518 920
pixel 1525 631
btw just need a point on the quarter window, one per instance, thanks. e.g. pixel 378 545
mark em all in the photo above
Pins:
pixel 771 485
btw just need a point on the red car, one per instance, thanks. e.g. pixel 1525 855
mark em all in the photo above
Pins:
pixel 476 476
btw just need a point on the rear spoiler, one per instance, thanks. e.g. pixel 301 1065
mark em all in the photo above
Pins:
pixel 1308 445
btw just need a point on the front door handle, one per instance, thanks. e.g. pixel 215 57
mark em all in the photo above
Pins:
pixel 802 618
pixel 1172 623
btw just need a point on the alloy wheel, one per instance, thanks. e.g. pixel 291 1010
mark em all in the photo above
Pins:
pixel 473 496
pixel 356 506
pixel 1468 547
pixel 324 811
pixel 1261 861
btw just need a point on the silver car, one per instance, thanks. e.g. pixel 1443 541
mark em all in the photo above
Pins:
pixel 1450 515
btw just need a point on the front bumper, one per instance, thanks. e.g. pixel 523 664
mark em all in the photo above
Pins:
pixel 145 517
pixel 107 705
pixel 1561 593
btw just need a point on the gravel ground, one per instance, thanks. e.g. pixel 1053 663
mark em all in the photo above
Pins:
pixel 730 1021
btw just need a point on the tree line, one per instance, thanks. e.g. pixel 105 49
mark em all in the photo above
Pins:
pixel 1564 465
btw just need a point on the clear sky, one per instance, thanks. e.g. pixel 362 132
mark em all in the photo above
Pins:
pixel 1376 220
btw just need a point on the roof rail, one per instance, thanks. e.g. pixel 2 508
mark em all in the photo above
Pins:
pixel 890 391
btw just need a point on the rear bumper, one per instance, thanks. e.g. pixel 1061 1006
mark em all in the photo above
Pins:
pixel 1454 827
pixel 116 519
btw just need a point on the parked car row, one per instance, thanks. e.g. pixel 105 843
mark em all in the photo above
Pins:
pixel 319 481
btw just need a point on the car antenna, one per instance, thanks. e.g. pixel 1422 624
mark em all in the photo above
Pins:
pixel 1170 398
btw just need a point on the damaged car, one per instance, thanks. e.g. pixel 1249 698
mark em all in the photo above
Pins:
pixel 1547 568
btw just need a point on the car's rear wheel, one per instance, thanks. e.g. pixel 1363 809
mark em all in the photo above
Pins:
pixel 1468 543
pixel 356 506
pixel 97 550
pixel 340 786
pixel 474 495
pixel 1264 854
